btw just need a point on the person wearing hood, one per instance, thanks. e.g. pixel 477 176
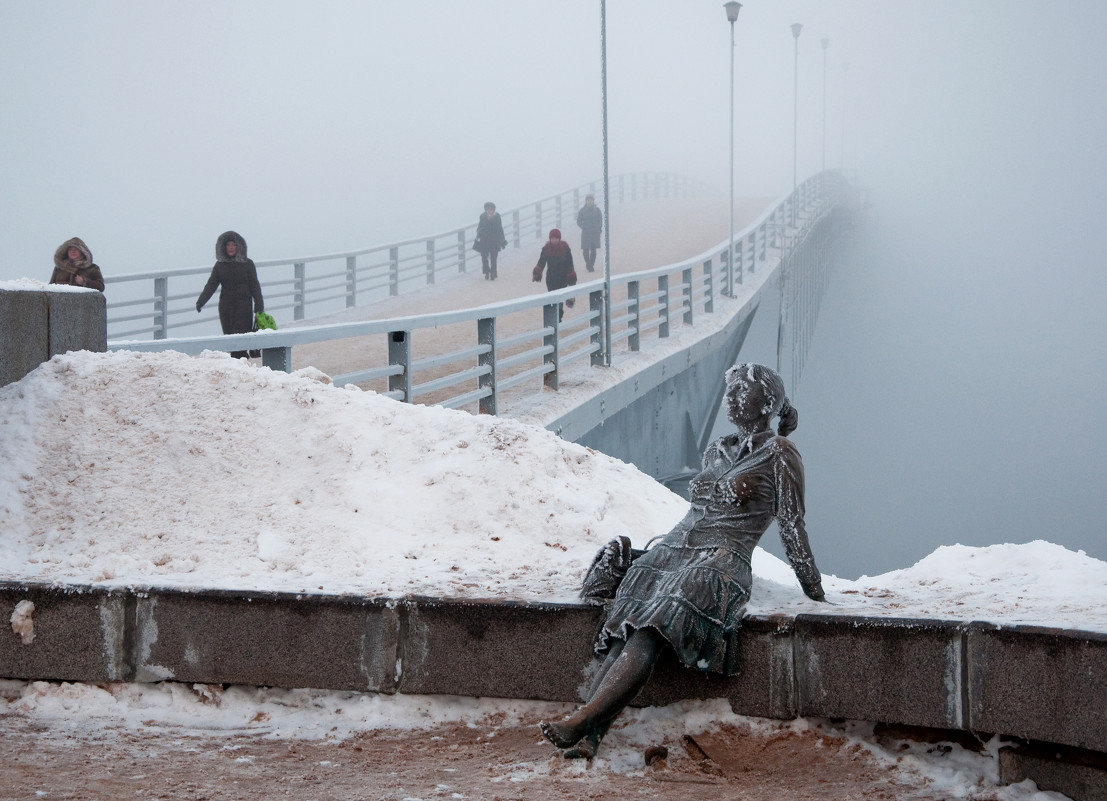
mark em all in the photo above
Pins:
pixel 73 266
pixel 240 297
pixel 590 221
pixel 557 260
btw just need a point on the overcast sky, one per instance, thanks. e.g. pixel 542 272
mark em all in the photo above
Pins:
pixel 959 370
pixel 148 129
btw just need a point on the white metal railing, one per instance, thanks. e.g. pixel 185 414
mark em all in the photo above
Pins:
pixel 309 286
pixel 521 340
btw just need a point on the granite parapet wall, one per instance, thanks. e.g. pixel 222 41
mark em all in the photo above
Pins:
pixel 1028 682
pixel 1039 685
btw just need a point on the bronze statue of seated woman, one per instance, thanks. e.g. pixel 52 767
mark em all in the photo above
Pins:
pixel 689 590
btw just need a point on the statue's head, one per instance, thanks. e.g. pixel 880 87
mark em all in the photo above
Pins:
pixel 755 394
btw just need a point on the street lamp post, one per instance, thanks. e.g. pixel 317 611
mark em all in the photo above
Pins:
pixel 826 43
pixel 796 28
pixel 845 71
pixel 732 9
pixel 606 194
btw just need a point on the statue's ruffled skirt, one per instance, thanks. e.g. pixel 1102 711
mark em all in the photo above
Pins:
pixel 693 596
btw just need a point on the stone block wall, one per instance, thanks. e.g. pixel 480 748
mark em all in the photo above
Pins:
pixel 1044 687
pixel 36 324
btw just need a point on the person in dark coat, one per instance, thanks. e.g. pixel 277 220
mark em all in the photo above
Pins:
pixel 688 592
pixel 73 266
pixel 240 297
pixel 557 260
pixel 590 220
pixel 490 240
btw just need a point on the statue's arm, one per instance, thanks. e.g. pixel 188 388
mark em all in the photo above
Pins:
pixel 788 469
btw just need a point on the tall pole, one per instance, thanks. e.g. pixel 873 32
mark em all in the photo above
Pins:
pixel 845 70
pixel 826 43
pixel 606 195
pixel 732 10
pixel 796 28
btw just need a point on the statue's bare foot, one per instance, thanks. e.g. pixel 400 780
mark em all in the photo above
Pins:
pixel 563 735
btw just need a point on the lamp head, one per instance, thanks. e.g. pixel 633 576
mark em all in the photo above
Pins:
pixel 826 42
pixel 796 28
pixel 732 9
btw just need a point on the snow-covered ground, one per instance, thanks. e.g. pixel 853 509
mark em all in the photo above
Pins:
pixel 128 469
pixel 103 717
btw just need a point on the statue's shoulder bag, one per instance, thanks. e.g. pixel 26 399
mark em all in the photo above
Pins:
pixel 606 572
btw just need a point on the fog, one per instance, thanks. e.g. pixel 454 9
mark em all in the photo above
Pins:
pixel 953 390
pixel 148 129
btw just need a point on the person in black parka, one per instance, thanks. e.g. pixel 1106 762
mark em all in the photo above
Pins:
pixel 490 240
pixel 240 297
pixel 557 260
pixel 590 220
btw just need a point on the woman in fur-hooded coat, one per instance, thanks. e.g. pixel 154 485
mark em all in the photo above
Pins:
pixel 73 265
pixel 240 297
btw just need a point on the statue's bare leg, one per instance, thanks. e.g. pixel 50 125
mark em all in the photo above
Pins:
pixel 619 680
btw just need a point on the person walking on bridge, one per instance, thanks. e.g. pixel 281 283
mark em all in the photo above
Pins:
pixel 73 266
pixel 240 297
pixel 490 240
pixel 557 260
pixel 590 220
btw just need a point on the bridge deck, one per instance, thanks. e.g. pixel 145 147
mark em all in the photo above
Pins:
pixel 646 234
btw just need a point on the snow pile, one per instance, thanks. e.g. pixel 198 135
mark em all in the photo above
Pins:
pixel 1038 584
pixel 132 469
pixel 140 469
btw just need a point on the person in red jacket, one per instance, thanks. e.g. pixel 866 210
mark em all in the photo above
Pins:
pixel 557 260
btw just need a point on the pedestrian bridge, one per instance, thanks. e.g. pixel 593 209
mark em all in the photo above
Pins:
pixel 416 320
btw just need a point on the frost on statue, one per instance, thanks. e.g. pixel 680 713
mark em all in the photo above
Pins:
pixel 22 623
pixel 689 590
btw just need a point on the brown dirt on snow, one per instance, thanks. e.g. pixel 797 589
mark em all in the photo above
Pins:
pixel 495 762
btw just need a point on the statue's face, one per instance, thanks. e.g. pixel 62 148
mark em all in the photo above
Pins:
pixel 746 400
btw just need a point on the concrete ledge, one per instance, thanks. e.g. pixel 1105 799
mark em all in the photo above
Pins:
pixel 880 669
pixel 1078 774
pixel 40 323
pixel 1040 685
pixel 276 639
pixel 497 648
pixel 764 687
pixel 24 319
pixel 78 634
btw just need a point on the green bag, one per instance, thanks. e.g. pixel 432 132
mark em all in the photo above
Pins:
pixel 264 321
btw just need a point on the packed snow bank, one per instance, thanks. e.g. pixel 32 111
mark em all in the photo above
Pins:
pixel 131 468
pixel 134 469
